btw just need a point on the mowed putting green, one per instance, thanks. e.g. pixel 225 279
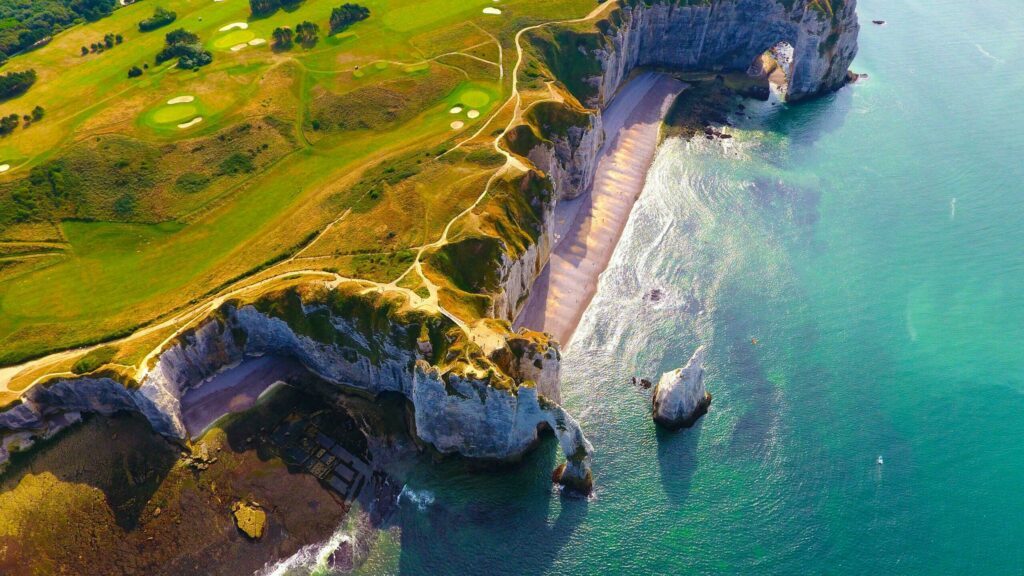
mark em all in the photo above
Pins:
pixel 473 97
pixel 170 116
pixel 174 113
pixel 233 38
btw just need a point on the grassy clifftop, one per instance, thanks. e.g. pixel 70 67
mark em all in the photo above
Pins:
pixel 135 199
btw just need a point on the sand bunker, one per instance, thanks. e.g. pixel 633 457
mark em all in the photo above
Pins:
pixel 473 114
pixel 456 110
pixel 4 168
pixel 457 125
pixel 238 47
pixel 239 25
pixel 257 41
pixel 490 10
pixel 181 100
pixel 191 122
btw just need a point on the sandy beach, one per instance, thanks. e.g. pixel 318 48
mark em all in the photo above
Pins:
pixel 588 228
pixel 233 390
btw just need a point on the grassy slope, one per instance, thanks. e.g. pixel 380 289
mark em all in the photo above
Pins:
pixel 113 276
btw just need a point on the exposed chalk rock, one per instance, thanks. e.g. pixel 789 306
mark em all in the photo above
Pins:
pixel 457 409
pixel 680 398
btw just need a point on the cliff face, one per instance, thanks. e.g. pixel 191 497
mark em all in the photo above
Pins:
pixel 724 35
pixel 727 35
pixel 463 402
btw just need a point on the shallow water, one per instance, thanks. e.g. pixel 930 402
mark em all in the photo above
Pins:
pixel 871 243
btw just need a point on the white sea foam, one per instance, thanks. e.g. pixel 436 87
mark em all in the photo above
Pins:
pixel 310 559
pixel 988 54
pixel 421 499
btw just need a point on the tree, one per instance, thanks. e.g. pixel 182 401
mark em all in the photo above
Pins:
pixel 184 46
pixel 134 72
pixel 8 124
pixel 23 23
pixel 37 113
pixel 263 7
pixel 85 51
pixel 346 15
pixel 118 39
pixel 92 10
pixel 16 83
pixel 306 33
pixel 108 40
pixel 283 38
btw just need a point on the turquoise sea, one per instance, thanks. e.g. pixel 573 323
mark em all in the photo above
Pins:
pixel 872 243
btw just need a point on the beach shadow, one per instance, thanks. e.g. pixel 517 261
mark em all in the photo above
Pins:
pixel 677 460
pixel 482 520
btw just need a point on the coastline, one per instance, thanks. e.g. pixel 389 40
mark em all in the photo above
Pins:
pixel 588 228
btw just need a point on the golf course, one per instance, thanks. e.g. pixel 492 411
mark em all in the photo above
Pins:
pixel 149 192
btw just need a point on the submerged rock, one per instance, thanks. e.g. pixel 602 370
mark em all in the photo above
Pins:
pixel 250 519
pixel 680 398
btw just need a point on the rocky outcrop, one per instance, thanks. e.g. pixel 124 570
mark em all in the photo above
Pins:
pixel 680 398
pixel 570 160
pixel 463 402
pixel 250 518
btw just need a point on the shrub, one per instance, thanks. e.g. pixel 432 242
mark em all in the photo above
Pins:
pixel 237 163
pixel 124 206
pixel 160 18
pixel 191 182
pixel 94 360
pixel 134 72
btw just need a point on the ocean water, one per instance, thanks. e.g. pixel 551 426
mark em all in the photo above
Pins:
pixel 872 244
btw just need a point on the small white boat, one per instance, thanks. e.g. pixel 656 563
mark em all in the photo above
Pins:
pixel 880 461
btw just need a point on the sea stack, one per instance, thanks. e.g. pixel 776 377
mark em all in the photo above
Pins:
pixel 680 398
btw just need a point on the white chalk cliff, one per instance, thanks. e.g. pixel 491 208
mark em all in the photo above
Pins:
pixel 462 402
pixel 466 409
pixel 680 398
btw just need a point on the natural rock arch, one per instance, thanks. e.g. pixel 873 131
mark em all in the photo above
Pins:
pixel 776 65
